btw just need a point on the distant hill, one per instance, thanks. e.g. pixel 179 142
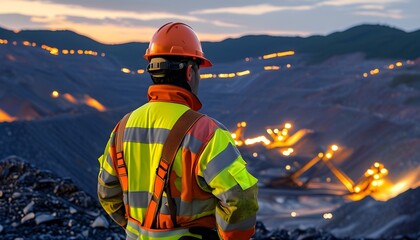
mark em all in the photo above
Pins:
pixel 128 54
pixel 375 41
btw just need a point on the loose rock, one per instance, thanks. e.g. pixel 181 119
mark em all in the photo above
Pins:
pixel 29 207
pixel 72 210
pixel 43 218
pixel 16 195
pixel 100 221
pixel 27 217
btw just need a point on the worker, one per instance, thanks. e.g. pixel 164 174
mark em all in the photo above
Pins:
pixel 210 194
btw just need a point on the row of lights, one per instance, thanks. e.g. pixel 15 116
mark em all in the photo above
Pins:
pixel 272 55
pixel 246 72
pixel 279 54
pixel 133 72
pixel 390 67
pixel 225 75
pixel 240 74
pixel 326 216
pixel 80 52
pixel 54 50
pixel 275 68
pixel 3 41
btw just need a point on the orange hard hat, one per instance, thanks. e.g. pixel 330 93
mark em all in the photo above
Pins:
pixel 176 39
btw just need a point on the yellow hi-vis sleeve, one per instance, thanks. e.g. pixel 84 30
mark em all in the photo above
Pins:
pixel 224 170
pixel 110 194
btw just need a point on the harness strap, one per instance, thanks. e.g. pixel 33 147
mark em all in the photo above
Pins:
pixel 119 163
pixel 170 148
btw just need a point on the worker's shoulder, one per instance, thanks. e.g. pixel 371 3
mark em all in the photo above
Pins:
pixel 210 123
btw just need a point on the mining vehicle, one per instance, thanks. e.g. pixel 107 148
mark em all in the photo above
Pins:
pixel 370 182
pixel 282 138
pixel 238 134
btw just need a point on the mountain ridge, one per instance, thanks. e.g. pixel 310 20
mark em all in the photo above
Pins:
pixel 375 41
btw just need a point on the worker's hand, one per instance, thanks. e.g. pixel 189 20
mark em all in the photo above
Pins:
pixel 206 234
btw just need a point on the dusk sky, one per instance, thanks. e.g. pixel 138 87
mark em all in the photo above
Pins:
pixel 119 21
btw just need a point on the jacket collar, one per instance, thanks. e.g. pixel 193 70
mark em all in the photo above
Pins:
pixel 174 94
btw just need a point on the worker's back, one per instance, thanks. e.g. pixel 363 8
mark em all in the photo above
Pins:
pixel 208 187
pixel 145 134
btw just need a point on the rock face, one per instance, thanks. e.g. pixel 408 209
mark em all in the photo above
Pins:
pixel 36 204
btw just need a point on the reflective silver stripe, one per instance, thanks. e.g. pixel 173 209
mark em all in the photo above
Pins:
pixel 158 135
pixel 164 209
pixel 242 225
pixel 108 178
pixel 157 233
pixel 146 135
pixel 220 162
pixel 192 143
pixel 130 235
pixel 195 207
pixel 105 192
pixel 141 200
pixel 109 160
pixel 138 199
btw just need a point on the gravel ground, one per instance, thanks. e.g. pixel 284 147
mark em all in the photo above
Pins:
pixel 37 204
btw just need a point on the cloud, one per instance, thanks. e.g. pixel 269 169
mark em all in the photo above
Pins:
pixel 394 14
pixel 107 33
pixel 111 21
pixel 16 21
pixel 371 7
pixel 225 24
pixel 50 10
pixel 63 16
pixel 205 36
pixel 353 2
pixel 252 9
pixel 47 19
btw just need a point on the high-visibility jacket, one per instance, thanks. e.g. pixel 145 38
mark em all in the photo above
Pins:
pixel 209 180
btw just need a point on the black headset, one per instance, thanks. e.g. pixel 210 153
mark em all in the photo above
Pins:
pixel 162 66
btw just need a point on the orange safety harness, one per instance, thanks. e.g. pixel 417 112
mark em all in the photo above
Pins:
pixel 170 148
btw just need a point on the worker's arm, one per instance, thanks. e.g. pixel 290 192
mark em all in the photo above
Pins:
pixel 224 171
pixel 110 193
